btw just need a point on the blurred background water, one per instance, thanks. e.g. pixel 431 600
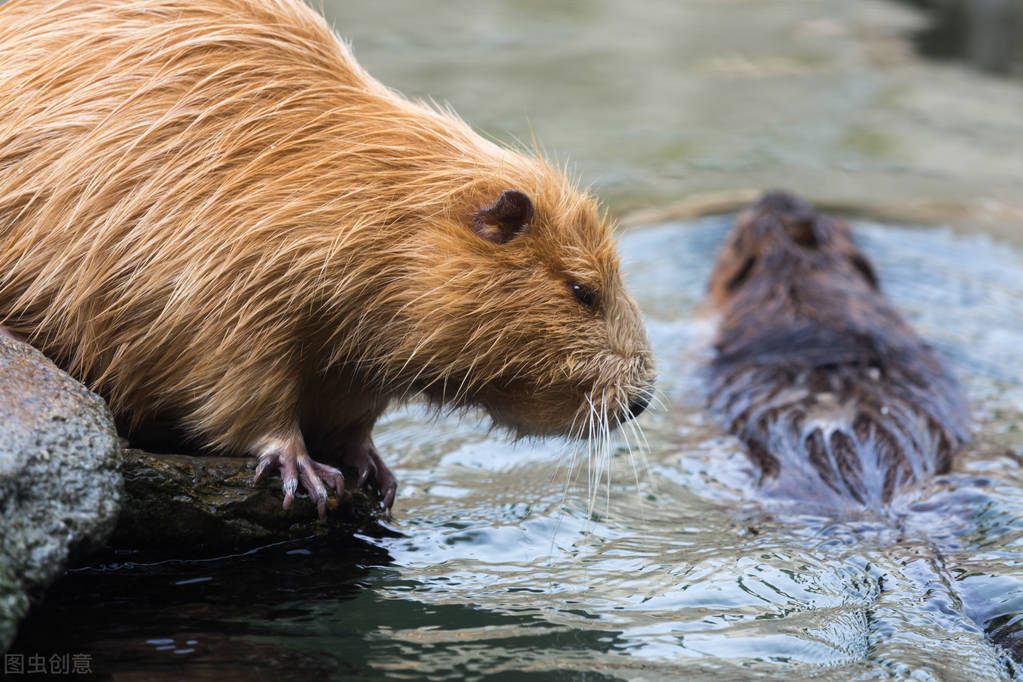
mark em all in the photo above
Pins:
pixel 655 102
pixel 494 565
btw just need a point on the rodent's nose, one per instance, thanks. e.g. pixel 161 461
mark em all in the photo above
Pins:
pixel 638 405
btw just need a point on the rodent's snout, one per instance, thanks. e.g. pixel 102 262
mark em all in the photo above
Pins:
pixel 639 398
pixel 638 406
pixel 637 386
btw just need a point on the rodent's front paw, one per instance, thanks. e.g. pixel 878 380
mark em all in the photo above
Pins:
pixel 295 467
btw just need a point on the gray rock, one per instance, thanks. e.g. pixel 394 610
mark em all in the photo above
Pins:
pixel 209 505
pixel 60 488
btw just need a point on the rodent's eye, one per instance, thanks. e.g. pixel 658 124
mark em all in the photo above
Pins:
pixel 584 295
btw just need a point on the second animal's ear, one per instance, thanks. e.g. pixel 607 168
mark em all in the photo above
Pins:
pixel 508 217
pixel 866 269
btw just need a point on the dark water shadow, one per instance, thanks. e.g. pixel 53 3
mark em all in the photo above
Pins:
pixel 132 611
pixel 985 34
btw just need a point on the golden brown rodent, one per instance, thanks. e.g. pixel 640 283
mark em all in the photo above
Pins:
pixel 209 210
pixel 834 395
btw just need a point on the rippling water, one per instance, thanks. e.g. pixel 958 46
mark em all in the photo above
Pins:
pixel 679 569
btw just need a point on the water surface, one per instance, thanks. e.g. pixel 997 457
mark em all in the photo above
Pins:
pixel 674 569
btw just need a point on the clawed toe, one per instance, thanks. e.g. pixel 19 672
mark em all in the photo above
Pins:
pixel 331 477
pixel 388 485
pixel 266 463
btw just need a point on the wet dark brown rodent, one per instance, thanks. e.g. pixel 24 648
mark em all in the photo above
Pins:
pixel 833 394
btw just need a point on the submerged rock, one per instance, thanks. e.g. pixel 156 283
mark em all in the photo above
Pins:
pixel 208 505
pixel 60 489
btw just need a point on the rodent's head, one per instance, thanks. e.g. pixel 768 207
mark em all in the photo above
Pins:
pixel 515 303
pixel 791 287
pixel 781 238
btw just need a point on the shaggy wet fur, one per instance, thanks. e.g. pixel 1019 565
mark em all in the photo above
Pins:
pixel 834 395
pixel 208 209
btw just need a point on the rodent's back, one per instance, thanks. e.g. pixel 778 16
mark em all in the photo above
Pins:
pixel 834 395
pixel 136 227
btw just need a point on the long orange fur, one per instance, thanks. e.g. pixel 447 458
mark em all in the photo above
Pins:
pixel 208 209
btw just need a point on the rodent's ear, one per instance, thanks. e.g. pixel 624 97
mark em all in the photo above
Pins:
pixel 508 217
pixel 741 274
pixel 866 269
